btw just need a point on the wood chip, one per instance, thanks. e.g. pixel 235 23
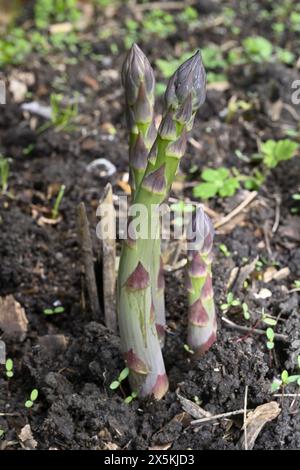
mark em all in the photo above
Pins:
pixel 194 410
pixel 256 420
pixel 26 438
pixel 13 320
pixel 263 294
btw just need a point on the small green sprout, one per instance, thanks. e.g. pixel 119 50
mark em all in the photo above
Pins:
pixel 257 48
pixel 246 312
pixel 296 197
pixel 286 379
pixel 2 432
pixel 9 365
pixel 4 173
pixel 55 210
pixel 130 397
pixel 217 182
pixel 188 349
pixel 223 248
pixel 273 152
pixel 123 375
pixel 33 396
pixel 270 336
pixel 296 284
pixel 52 311
pixel 230 302
pixel 267 319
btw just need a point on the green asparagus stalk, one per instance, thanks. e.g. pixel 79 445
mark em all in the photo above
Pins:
pixel 139 339
pixel 139 85
pixel 202 324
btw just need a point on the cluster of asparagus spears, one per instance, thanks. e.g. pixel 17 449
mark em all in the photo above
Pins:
pixel 154 157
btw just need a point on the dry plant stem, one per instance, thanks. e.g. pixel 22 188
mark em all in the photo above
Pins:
pixel 139 339
pixel 257 331
pixel 202 323
pixel 85 242
pixel 139 85
pixel 108 260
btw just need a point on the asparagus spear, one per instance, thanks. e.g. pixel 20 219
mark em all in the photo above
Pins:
pixel 139 84
pixel 202 325
pixel 139 339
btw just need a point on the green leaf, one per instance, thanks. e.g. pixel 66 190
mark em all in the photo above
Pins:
pixel 134 394
pixel 59 310
pixel 298 360
pixel 270 345
pixel 28 404
pixel 235 303
pixel 229 297
pixel 293 378
pixel 224 307
pixel 229 187
pixel 269 321
pixel 205 190
pixel 258 48
pixel 209 175
pixel 9 364
pixel 270 334
pixel 48 311
pixel 284 376
pixel 115 384
pixel 2 432
pixel 128 399
pixel 9 374
pixel 34 394
pixel 276 384
pixel 124 373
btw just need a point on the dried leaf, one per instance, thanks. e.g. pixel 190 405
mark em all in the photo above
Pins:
pixel 26 438
pixel 256 420
pixel 13 320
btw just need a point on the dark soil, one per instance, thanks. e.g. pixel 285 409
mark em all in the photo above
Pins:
pixel 40 265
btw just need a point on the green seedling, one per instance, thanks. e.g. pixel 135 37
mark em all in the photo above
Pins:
pixel 257 48
pixel 4 173
pixel 246 312
pixel 53 311
pixel 2 432
pixel 270 338
pixel 33 396
pixel 62 117
pixel 9 365
pixel 187 348
pixel 223 248
pixel 230 302
pixel 117 383
pixel 286 379
pixel 217 182
pixel 273 152
pixel 131 397
pixel 296 284
pixel 55 210
pixel 267 319
pixel 47 12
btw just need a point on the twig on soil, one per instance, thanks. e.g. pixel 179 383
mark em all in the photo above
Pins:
pixel 9 414
pixel 237 210
pixel 277 213
pixel 245 417
pixel 212 418
pixel 164 5
pixel 85 242
pixel 257 331
pixel 108 257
